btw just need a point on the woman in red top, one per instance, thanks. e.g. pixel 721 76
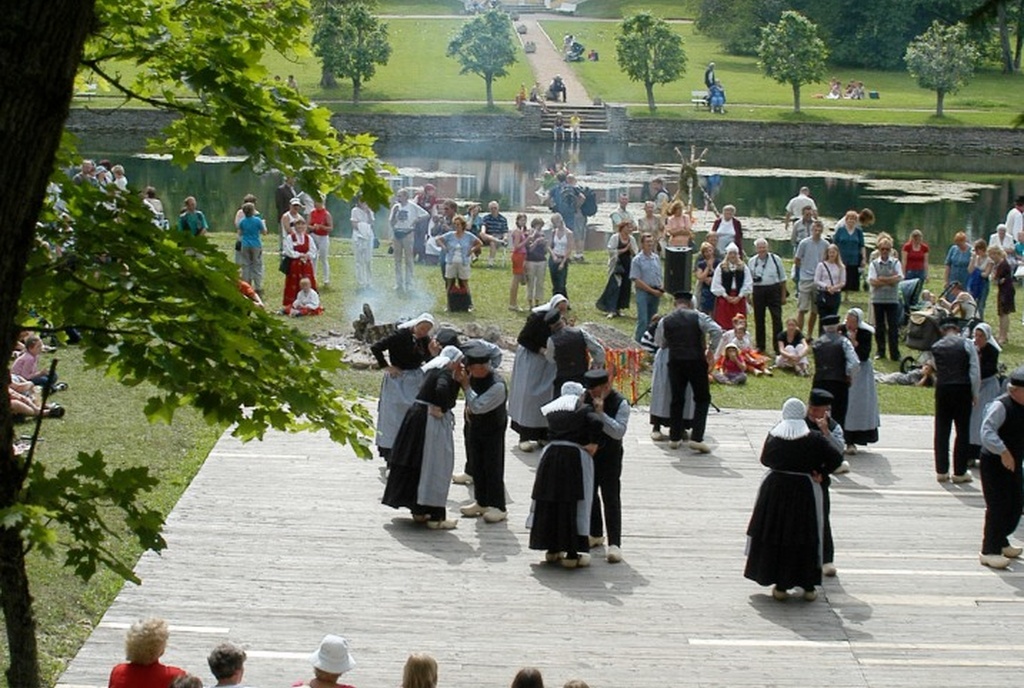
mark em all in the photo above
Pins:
pixel 143 646
pixel 915 257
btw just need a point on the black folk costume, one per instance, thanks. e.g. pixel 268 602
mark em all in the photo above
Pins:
pixel 532 375
pixel 834 364
pixel 486 418
pixel 608 465
pixel 862 414
pixel 397 394
pixel 1002 431
pixel 957 382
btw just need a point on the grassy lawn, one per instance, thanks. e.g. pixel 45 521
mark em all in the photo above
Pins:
pixel 617 9
pixel 989 93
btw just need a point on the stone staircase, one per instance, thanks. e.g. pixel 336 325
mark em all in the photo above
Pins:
pixel 593 118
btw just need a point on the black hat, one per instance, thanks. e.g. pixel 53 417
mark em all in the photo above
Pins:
pixel 553 316
pixel 476 351
pixel 949 322
pixel 821 397
pixel 595 378
pixel 446 336
pixel 683 296
pixel 1017 377
pixel 1020 200
pixel 830 320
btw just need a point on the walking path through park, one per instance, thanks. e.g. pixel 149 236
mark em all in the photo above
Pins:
pixel 547 61
pixel 276 543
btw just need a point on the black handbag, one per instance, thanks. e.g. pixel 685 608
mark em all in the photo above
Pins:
pixel 286 265
pixel 826 301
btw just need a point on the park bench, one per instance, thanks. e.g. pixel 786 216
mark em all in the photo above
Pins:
pixel 700 99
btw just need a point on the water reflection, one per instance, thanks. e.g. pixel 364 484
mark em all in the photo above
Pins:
pixel 939 194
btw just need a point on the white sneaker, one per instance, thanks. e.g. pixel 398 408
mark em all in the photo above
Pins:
pixel 495 515
pixel 828 569
pixel 699 447
pixel 462 479
pixel 614 555
pixel 995 561
pixel 844 467
pixel 473 510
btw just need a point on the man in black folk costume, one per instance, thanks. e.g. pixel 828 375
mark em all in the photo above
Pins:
pixel 533 376
pixel 819 419
pixel 785 534
pixel 408 348
pixel 573 350
pixel 957 384
pixel 563 488
pixel 835 361
pixel 424 451
pixel 486 417
pixel 613 410
pixel 1002 448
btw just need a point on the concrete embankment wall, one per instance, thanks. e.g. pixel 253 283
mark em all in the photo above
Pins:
pixel 132 127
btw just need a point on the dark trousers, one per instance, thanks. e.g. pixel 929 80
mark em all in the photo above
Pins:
pixel 694 374
pixel 607 484
pixel 952 409
pixel 887 329
pixel 828 547
pixel 559 277
pixel 767 298
pixel 1003 501
pixel 485 461
pixel 841 393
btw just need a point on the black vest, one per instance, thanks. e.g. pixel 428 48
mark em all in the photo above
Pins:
pixel 494 420
pixel 988 358
pixel 732 280
pixel 829 358
pixel 952 364
pixel 683 336
pixel 570 352
pixel 534 335
pixel 612 403
pixel 1012 430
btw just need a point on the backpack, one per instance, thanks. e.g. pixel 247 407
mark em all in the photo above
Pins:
pixel 589 206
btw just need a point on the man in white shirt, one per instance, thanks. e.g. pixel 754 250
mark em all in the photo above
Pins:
pixel 403 217
pixel 620 214
pixel 796 205
pixel 1015 219
pixel 809 253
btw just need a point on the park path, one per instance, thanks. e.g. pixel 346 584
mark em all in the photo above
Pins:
pixel 276 543
pixel 547 61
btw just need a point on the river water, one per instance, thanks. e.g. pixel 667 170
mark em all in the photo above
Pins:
pixel 939 194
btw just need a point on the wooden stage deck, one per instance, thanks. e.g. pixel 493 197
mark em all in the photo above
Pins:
pixel 279 542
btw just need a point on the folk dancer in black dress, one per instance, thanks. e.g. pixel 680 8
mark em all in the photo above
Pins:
pixel 613 410
pixel 785 534
pixel 834 364
pixel 683 332
pixel 532 376
pixel 424 451
pixel 408 349
pixel 819 419
pixel 1002 439
pixel 486 417
pixel 957 383
pixel 862 415
pixel 563 488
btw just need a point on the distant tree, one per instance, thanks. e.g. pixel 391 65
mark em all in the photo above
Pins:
pixel 942 59
pixel 736 23
pixel 485 45
pixel 649 51
pixel 350 42
pixel 792 53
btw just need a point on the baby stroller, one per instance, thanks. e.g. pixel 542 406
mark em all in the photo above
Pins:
pixel 910 299
pixel 575 52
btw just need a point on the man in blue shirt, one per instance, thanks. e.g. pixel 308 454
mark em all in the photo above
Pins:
pixel 645 271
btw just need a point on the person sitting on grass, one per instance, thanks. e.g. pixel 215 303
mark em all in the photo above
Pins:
pixel 792 349
pixel 27 365
pixel 730 368
pixel 307 301
pixel 755 362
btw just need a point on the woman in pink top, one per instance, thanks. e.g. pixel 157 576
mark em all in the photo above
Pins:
pixel 915 257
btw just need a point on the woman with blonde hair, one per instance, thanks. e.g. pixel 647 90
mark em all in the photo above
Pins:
pixel 144 645
pixel 1002 277
pixel 958 258
pixel 420 671
pixel 830 279
pixel 678 225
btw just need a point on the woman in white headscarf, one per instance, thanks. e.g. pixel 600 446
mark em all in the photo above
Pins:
pixel 423 456
pixel 731 284
pixel 533 376
pixel 988 360
pixel 563 489
pixel 407 349
pixel 862 416
pixel 785 534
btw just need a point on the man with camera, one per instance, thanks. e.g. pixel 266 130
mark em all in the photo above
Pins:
pixel 769 292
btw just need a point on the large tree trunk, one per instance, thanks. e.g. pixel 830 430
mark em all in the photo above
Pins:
pixel 489 80
pixel 1020 36
pixel 1004 38
pixel 327 79
pixel 941 96
pixel 796 97
pixel 40 49
pixel 357 86
pixel 649 86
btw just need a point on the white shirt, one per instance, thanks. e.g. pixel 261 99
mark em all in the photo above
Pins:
pixel 796 205
pixel 362 224
pixel 1006 243
pixel 306 299
pixel 1014 222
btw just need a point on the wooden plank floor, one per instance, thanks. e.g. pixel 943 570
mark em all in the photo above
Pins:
pixel 279 542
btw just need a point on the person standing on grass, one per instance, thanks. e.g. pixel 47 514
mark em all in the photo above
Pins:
pixel 536 262
pixel 560 253
pixel 517 241
pixel 769 293
pixel 809 253
pixel 884 276
pixel 646 274
pixel 362 243
pixel 320 226
pixel 402 219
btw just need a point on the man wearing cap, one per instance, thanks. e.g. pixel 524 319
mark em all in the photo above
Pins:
pixel 957 383
pixel 613 411
pixel 645 271
pixel 819 419
pixel 1002 440
pixel 402 219
pixel 834 362
pixel 683 333
pixel 486 417
pixel 573 350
